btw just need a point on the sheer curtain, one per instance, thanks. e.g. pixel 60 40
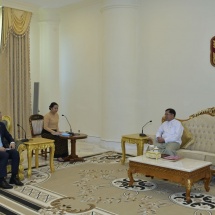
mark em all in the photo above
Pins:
pixel 15 68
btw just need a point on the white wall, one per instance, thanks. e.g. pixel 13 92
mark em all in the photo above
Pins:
pixel 34 52
pixel 80 69
pixel 173 64
pixel 176 56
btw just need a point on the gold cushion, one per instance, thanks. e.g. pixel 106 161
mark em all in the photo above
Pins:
pixel 187 138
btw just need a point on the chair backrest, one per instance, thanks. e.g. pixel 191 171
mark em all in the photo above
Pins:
pixel 7 121
pixel 36 124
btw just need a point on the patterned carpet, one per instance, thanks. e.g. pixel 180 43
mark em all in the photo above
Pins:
pixel 99 186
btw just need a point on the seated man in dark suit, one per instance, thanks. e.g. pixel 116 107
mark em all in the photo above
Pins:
pixel 7 151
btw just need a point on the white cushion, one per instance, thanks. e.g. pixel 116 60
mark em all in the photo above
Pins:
pixel 203 129
pixel 37 126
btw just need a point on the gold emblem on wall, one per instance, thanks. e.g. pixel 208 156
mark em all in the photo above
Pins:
pixel 212 55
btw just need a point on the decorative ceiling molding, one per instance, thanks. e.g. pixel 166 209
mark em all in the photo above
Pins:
pixel 44 3
pixel 19 5
pixel 111 4
pixel 80 4
pixel 36 5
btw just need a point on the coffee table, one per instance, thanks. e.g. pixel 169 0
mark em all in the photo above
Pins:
pixel 184 171
pixel 73 157
pixel 133 139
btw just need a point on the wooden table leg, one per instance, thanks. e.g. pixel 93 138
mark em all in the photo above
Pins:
pixel 130 177
pixel 207 180
pixel 140 148
pixel 123 152
pixel 37 158
pixel 73 157
pixel 73 149
pixel 29 155
pixel 188 189
pixel 51 159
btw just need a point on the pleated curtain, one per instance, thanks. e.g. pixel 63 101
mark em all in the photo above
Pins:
pixel 15 95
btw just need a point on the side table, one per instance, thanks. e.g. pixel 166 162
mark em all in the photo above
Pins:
pixel 73 157
pixel 133 139
pixel 38 144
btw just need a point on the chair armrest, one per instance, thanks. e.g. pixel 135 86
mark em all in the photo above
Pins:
pixel 18 143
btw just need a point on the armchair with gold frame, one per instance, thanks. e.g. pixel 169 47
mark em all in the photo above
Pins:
pixel 19 146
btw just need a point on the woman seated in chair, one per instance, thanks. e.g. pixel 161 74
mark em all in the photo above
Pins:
pixel 51 131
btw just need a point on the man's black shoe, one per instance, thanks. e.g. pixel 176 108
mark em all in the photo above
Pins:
pixel 5 185
pixel 16 181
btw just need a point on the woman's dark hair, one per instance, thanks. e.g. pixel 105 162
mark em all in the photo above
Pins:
pixel 52 105
pixel 172 111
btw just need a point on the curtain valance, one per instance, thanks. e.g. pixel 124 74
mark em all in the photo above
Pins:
pixel 14 21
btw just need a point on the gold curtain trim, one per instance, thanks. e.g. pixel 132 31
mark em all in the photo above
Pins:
pixel 14 21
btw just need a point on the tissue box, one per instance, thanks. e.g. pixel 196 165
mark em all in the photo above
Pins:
pixel 152 154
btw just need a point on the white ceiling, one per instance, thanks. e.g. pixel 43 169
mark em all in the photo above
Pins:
pixel 46 3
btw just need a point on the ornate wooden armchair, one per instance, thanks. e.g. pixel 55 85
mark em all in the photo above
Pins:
pixel 36 126
pixel 19 146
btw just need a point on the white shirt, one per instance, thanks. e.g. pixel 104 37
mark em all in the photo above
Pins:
pixel 171 131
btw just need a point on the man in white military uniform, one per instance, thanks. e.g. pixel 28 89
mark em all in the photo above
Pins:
pixel 168 136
